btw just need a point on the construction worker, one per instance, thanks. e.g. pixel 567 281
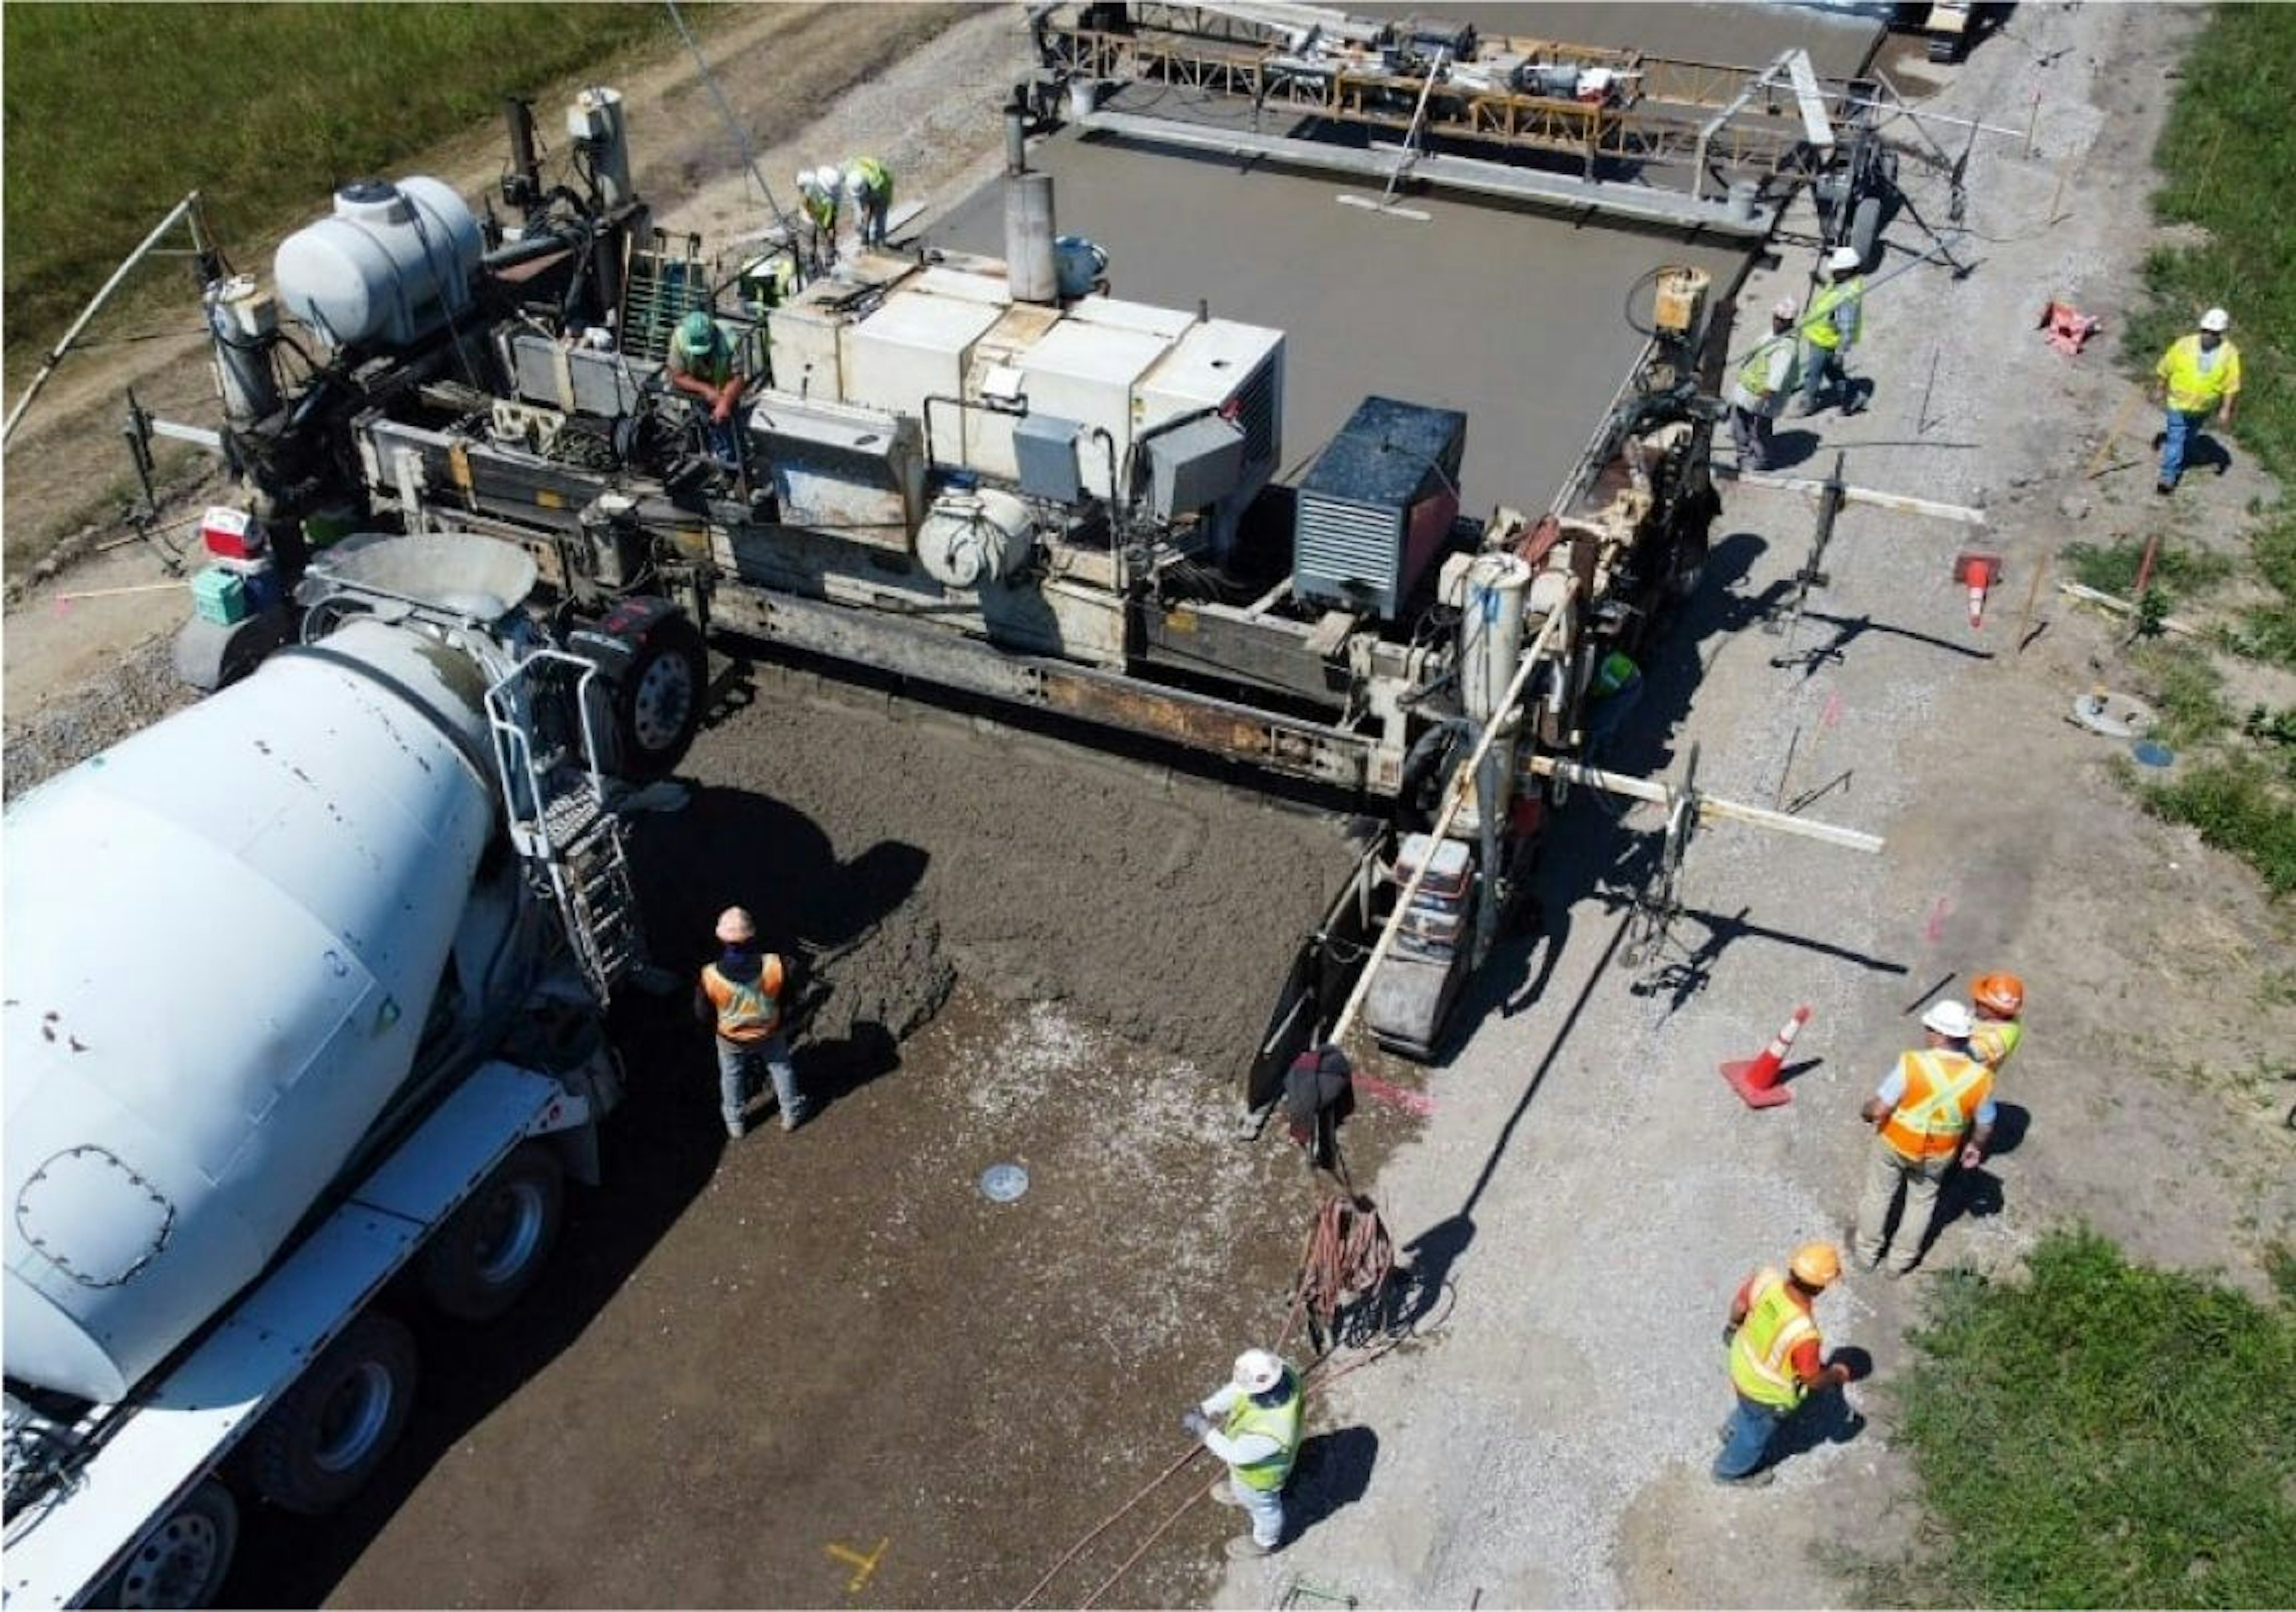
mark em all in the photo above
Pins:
pixel 1831 328
pixel 2199 373
pixel 740 996
pixel 1616 690
pixel 1253 1425
pixel 1936 1106
pixel 869 183
pixel 702 365
pixel 1998 999
pixel 1775 1350
pixel 1764 381
pixel 817 191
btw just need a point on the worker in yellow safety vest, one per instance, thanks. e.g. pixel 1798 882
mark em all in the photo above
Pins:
pixel 1253 1425
pixel 1775 1357
pixel 2198 375
pixel 1764 381
pixel 1831 328
pixel 818 191
pixel 1998 999
pixel 1935 1108
pixel 740 996
pixel 869 185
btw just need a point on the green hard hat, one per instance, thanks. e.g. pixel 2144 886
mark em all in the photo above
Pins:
pixel 698 329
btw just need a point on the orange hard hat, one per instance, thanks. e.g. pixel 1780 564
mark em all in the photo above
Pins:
pixel 2005 993
pixel 1815 1265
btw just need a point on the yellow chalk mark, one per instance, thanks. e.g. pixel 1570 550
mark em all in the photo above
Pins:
pixel 863 1566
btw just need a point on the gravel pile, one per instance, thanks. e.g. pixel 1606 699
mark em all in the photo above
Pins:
pixel 72 727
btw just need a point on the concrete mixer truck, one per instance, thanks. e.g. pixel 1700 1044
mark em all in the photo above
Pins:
pixel 304 999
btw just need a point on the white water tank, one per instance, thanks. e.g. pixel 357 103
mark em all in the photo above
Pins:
pixel 1490 631
pixel 971 537
pixel 225 936
pixel 391 265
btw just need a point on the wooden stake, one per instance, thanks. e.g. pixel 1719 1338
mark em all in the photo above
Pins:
pixel 141 587
pixel 2032 593
pixel 2112 437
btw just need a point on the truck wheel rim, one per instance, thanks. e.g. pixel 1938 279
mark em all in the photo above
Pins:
pixel 511 1229
pixel 664 694
pixel 174 1565
pixel 355 1415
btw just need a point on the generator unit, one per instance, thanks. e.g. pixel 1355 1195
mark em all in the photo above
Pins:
pixel 1377 507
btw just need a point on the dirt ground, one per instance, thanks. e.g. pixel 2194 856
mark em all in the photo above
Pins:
pixel 754 1363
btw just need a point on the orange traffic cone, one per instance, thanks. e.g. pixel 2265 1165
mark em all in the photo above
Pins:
pixel 1756 1079
pixel 1980 572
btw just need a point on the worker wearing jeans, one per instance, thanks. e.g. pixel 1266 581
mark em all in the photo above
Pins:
pixel 1253 1425
pixel 1775 1349
pixel 2199 375
pixel 740 995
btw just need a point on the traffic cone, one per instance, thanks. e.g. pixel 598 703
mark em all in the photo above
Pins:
pixel 1756 1079
pixel 1980 572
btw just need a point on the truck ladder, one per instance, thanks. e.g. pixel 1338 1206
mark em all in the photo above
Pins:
pixel 555 804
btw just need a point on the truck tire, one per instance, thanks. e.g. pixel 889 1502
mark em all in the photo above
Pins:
pixel 658 674
pixel 482 1261
pixel 320 1443
pixel 183 1562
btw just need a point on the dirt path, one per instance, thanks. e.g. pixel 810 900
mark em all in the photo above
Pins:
pixel 1588 1185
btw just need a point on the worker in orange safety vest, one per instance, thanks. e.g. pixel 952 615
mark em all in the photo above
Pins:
pixel 1774 1358
pixel 1998 999
pixel 740 996
pixel 1935 1108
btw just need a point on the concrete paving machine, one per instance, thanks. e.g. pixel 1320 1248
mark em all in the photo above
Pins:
pixel 986 475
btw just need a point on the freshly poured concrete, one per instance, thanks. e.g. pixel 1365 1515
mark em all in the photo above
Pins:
pixel 1515 316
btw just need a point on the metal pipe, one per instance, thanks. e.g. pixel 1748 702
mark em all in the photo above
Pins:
pixel 1462 785
pixel 1016 142
pixel 1710 806
pixel 56 355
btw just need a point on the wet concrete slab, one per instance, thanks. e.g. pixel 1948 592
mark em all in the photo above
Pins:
pixel 1516 315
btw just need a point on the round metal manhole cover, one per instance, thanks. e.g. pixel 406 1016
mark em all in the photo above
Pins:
pixel 1003 1183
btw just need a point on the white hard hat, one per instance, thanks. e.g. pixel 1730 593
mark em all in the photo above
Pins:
pixel 1785 307
pixel 1256 1370
pixel 856 184
pixel 2215 319
pixel 1844 259
pixel 734 926
pixel 1951 1020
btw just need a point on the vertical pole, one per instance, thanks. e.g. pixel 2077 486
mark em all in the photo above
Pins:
pixel 2144 567
pixel 2032 121
pixel 2032 593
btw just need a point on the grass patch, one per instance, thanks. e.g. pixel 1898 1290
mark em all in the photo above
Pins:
pixel 2112 567
pixel 2185 686
pixel 2233 804
pixel 2101 1435
pixel 351 89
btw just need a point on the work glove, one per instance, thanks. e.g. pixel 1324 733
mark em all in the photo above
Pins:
pixel 1196 1423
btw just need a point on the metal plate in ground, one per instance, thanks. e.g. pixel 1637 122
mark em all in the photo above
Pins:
pixel 1003 1183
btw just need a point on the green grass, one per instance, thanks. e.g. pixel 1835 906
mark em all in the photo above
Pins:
pixel 2186 687
pixel 114 111
pixel 2101 1435
pixel 2112 567
pixel 2234 804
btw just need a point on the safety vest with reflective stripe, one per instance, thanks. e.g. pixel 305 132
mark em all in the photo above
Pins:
pixel 1761 1356
pixel 1994 1040
pixel 1755 375
pixel 2191 389
pixel 1818 324
pixel 1279 1423
pixel 874 177
pixel 748 1010
pixel 1943 1093
pixel 821 207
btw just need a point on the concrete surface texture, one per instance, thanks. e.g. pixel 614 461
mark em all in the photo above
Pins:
pixel 1518 319
pixel 1589 1187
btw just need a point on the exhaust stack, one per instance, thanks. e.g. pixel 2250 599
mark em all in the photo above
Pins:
pixel 1027 221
